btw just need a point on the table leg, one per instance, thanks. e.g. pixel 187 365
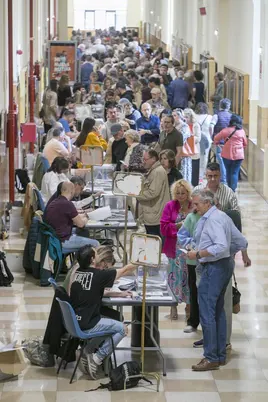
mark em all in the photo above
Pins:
pixel 154 341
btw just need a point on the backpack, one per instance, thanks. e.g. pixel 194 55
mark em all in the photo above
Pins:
pixel 38 353
pixel 21 180
pixel 6 277
pixel 119 374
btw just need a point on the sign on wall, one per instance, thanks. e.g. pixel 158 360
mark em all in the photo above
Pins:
pixel 62 59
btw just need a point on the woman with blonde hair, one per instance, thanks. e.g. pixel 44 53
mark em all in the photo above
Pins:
pixel 195 129
pixel 183 128
pixel 134 157
pixel 171 221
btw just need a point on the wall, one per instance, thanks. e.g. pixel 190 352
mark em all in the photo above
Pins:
pixel 134 13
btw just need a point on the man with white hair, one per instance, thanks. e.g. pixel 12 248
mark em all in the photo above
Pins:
pixel 148 125
pixel 157 103
pixel 216 241
pixel 55 146
pixel 179 91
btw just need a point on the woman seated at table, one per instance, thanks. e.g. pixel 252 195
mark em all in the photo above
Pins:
pixel 56 174
pixel 90 136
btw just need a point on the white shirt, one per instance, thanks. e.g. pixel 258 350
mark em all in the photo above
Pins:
pixel 50 183
pixel 54 148
pixel 205 120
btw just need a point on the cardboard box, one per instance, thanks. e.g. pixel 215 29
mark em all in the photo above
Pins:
pixel 12 362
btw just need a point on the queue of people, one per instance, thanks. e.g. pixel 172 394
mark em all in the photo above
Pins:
pixel 148 127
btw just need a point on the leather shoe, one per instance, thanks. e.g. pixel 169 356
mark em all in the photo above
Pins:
pixel 223 363
pixel 205 365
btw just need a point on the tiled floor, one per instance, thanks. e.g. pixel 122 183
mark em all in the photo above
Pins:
pixel 24 310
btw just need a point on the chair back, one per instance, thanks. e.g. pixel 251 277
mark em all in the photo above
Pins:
pixel 70 320
pixel 53 283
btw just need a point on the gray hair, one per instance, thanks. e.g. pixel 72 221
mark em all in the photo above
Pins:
pixel 225 104
pixel 133 135
pixel 78 180
pixel 205 196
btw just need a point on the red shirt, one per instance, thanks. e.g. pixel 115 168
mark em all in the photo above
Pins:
pixel 59 215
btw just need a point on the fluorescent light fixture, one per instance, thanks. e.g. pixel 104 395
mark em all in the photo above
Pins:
pixel 151 12
pixel 216 32
pixel 260 50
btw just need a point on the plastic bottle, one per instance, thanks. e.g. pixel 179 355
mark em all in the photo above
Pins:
pixel 140 279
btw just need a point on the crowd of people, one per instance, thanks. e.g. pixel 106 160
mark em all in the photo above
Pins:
pixel 155 121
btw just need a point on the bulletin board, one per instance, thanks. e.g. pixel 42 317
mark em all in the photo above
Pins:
pixel 62 59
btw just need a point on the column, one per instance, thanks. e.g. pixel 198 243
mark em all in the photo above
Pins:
pixel 63 19
pixel 262 126
pixel 3 56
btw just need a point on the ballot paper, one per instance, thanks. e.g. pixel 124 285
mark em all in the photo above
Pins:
pixel 100 214
pixel 145 250
pixel 128 184
pixel 183 250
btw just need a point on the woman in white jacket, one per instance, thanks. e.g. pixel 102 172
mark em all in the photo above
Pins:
pixel 195 129
pixel 54 176
pixel 204 119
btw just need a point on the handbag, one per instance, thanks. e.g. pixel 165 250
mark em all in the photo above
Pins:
pixel 189 146
pixel 230 136
pixel 236 297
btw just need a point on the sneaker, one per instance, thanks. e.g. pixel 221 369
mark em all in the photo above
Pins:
pixel 83 365
pixel 92 366
pixel 198 344
pixel 228 346
pixel 189 329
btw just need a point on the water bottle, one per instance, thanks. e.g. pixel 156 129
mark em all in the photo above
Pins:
pixel 140 279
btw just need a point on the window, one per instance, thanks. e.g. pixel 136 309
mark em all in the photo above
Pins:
pixel 89 19
pixel 110 19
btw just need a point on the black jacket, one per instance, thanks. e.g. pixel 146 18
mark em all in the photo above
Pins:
pixel 119 149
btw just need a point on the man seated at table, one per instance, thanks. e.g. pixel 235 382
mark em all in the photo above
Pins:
pixel 79 184
pixel 67 122
pixel 62 216
pixel 86 293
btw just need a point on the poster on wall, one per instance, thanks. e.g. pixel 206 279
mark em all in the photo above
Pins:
pixel 62 59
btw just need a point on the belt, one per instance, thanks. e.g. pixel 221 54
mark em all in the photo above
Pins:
pixel 211 262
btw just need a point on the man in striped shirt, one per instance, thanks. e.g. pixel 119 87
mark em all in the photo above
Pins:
pixel 225 196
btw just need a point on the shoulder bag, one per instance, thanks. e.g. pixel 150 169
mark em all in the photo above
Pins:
pixel 236 297
pixel 189 148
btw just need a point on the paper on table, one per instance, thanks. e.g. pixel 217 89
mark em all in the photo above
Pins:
pixel 145 250
pixel 100 214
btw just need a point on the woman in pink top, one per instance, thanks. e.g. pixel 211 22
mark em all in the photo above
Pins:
pixel 235 141
pixel 172 218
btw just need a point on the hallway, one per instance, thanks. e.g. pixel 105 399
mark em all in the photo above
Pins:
pixel 25 307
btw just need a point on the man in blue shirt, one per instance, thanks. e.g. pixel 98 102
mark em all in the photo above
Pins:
pixel 179 91
pixel 67 122
pixel 216 240
pixel 148 125
pixel 86 70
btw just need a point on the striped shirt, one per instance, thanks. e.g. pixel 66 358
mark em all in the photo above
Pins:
pixel 225 196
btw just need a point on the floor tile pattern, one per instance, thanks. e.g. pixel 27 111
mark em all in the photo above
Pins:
pixel 24 310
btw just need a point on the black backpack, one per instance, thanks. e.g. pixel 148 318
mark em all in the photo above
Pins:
pixel 6 277
pixel 21 180
pixel 120 373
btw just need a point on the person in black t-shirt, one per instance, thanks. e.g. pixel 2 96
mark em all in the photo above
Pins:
pixel 86 293
pixel 198 87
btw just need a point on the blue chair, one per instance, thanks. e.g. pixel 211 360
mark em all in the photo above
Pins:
pixel 53 283
pixel 74 331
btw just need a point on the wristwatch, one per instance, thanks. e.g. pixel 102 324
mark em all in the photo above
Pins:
pixel 198 256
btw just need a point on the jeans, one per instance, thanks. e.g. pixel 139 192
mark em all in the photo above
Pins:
pixel 228 304
pixel 221 163
pixel 195 172
pixel 76 242
pixel 232 172
pixel 214 281
pixel 203 163
pixel 194 309
pixel 114 327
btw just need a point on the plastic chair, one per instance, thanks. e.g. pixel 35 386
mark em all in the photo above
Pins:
pixel 74 331
pixel 53 283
